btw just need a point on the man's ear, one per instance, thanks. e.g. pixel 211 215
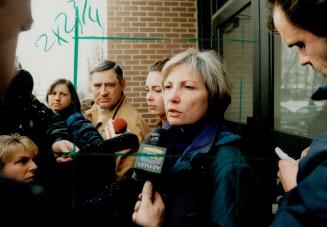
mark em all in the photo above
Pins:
pixel 123 84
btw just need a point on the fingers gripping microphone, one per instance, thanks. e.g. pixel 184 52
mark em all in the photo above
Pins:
pixel 151 156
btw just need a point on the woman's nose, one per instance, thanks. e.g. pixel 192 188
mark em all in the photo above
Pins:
pixel 32 166
pixel 149 96
pixel 173 95
pixel 57 96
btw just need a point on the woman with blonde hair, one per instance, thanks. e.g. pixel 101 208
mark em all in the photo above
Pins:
pixel 17 154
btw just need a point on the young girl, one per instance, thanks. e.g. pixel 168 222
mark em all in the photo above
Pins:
pixel 17 155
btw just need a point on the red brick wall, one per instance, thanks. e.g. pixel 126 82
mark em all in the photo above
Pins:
pixel 135 26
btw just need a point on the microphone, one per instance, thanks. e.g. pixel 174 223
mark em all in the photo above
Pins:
pixel 120 142
pixel 120 125
pixel 87 137
pixel 151 156
pixel 114 127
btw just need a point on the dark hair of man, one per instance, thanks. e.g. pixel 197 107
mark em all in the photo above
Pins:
pixel 2 2
pixel 157 66
pixel 75 100
pixel 306 14
pixel 106 65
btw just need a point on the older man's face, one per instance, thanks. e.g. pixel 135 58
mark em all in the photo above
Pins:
pixel 15 16
pixel 312 49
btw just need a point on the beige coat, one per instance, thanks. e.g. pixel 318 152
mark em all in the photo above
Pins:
pixel 135 124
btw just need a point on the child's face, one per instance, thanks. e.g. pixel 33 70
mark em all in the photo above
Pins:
pixel 20 166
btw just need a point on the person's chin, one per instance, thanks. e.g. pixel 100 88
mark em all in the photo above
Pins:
pixel 174 121
pixel 29 180
pixel 154 112
pixel 105 105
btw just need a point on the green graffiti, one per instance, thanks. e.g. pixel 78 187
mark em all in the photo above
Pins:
pixel 61 31
pixel 44 37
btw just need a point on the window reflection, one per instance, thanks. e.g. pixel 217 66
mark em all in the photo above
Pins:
pixel 295 112
pixel 237 50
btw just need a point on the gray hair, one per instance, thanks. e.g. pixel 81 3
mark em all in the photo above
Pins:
pixel 106 65
pixel 213 72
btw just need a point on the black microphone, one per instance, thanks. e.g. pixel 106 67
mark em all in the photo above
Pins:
pixel 121 142
pixel 88 139
pixel 151 156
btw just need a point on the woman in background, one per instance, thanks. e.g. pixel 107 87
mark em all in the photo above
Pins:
pixel 17 154
pixel 63 100
pixel 153 87
pixel 62 97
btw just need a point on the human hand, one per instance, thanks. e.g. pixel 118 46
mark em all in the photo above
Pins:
pixel 287 173
pixel 149 210
pixel 63 146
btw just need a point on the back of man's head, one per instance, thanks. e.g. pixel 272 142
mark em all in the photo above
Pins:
pixel 306 14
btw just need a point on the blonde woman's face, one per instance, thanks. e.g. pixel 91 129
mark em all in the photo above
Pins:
pixel 59 98
pixel 185 96
pixel 20 166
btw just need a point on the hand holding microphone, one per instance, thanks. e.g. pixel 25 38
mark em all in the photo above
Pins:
pixel 150 209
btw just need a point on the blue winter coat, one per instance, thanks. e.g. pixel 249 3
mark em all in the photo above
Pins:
pixel 306 204
pixel 209 182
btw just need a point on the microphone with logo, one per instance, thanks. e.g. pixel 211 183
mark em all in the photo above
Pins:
pixel 150 157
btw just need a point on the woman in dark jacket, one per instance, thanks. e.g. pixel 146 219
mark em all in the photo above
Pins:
pixel 87 174
pixel 63 100
pixel 206 180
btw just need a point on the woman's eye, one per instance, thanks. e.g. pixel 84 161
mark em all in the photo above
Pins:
pixel 22 160
pixel 189 87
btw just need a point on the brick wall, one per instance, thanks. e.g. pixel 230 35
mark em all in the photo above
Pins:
pixel 143 31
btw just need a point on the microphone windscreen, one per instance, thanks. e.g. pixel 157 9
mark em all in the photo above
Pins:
pixel 120 125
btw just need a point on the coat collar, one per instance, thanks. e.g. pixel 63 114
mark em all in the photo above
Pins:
pixel 212 134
